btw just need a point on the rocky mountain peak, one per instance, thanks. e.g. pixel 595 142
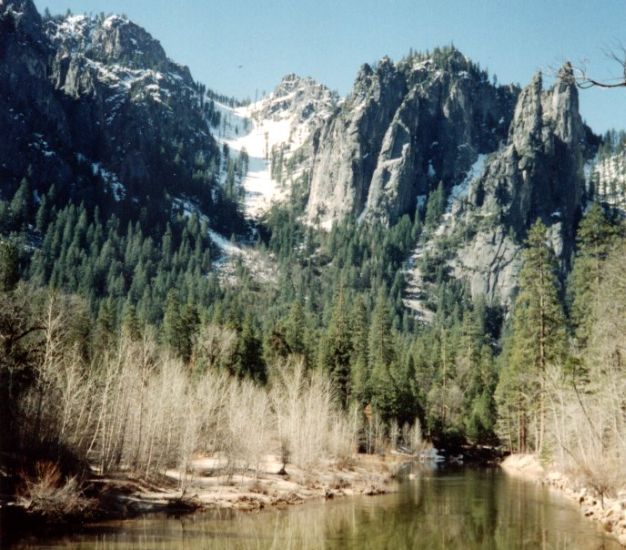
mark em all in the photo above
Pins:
pixel 536 173
pixel 302 100
pixel 94 106
pixel 291 83
pixel 110 40
pixel 404 128
pixel 21 16
pixel 505 157
pixel 527 118
pixel 541 115
pixel 562 107
pixel 371 82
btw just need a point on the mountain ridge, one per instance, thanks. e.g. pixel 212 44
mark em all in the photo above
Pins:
pixel 132 130
pixel 108 106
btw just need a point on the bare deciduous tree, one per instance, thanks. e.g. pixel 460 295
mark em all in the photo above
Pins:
pixel 137 408
pixel 588 423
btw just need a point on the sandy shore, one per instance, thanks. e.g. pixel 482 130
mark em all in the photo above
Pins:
pixel 610 514
pixel 210 485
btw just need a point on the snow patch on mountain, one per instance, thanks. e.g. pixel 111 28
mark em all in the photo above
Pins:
pixel 416 290
pixel 232 253
pixel 460 191
pixel 277 125
pixel 229 248
pixel 606 180
pixel 114 184
pixel 241 132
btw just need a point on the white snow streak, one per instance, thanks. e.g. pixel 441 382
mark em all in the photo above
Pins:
pixel 460 191
pixel 261 190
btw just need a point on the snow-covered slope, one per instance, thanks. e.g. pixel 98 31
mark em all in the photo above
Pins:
pixel 271 131
pixel 606 180
pixel 241 133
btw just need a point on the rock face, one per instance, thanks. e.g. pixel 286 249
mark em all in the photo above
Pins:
pixel 505 158
pixel 539 173
pixel 404 128
pixel 536 173
pixel 94 105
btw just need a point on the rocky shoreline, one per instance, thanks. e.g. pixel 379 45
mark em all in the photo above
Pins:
pixel 608 512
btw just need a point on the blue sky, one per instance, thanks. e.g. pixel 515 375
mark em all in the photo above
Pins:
pixel 243 48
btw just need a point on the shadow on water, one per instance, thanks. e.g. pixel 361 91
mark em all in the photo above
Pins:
pixel 464 508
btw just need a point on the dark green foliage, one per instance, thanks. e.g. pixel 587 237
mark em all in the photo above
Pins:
pixel 22 204
pixel 249 355
pixel 360 370
pixel 295 330
pixel 537 341
pixel 595 237
pixel 336 353
pixel 9 266
pixel 322 310
pixel 80 253
pixel 337 303
pixel 436 206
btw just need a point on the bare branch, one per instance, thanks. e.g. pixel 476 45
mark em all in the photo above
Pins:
pixel 616 54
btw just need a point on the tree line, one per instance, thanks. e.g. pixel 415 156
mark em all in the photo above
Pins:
pixel 473 375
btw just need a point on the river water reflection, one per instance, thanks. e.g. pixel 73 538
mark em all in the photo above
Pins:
pixel 463 509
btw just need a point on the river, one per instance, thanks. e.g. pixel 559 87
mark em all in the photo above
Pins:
pixel 463 508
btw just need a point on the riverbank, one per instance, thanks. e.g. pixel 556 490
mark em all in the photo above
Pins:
pixel 608 512
pixel 211 483
pixel 271 484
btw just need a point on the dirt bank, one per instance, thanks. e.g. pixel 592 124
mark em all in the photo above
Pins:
pixel 211 483
pixel 609 512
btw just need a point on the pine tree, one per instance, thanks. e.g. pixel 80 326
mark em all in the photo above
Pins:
pixel 9 266
pixel 481 421
pixel 595 237
pixel 435 206
pixel 473 375
pixel 42 217
pixel 172 322
pixel 538 339
pixel 384 386
pixel 248 355
pixel 360 358
pixel 189 323
pixel 130 322
pixel 381 350
pixel 21 204
pixel 105 326
pixel 339 348
pixel 294 329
